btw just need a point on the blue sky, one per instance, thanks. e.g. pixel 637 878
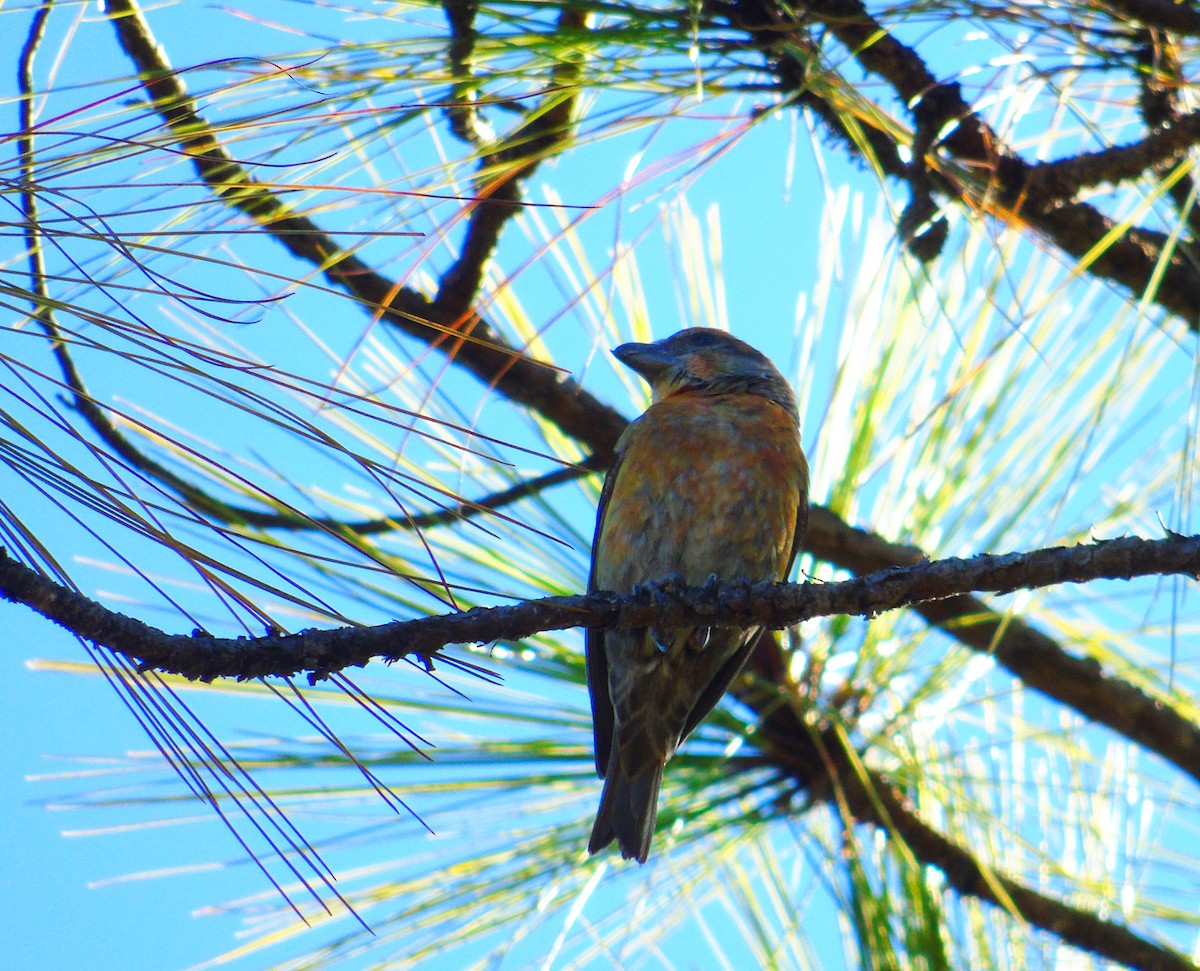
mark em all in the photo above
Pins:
pixel 773 206
pixel 51 918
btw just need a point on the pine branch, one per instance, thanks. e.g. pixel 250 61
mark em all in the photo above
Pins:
pixel 201 656
pixel 463 115
pixel 1179 18
pixel 822 761
pixel 1160 79
pixel 979 170
pixel 503 170
pixel 320 653
pixel 1066 177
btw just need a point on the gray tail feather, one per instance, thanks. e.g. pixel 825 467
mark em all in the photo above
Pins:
pixel 628 809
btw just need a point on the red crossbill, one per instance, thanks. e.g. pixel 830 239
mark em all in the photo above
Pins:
pixel 710 481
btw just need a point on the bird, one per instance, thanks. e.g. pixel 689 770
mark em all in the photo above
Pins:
pixel 709 484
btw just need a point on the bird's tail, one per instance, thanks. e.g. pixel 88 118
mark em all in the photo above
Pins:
pixel 628 809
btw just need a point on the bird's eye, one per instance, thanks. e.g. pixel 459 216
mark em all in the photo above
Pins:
pixel 699 340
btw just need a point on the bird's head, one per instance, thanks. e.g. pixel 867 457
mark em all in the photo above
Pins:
pixel 708 361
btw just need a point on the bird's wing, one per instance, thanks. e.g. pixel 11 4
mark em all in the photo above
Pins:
pixel 593 640
pixel 716 688
pixel 801 522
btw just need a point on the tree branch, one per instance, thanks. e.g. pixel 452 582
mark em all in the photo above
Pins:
pixel 1080 683
pixel 1065 177
pixel 463 114
pixel 988 176
pixel 1027 653
pixel 1160 79
pixel 503 171
pixel 1179 18
pixel 822 761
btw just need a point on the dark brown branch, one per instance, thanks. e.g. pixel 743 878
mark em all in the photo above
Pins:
pixel 992 178
pixel 822 762
pixel 463 114
pixel 503 171
pixel 885 805
pixel 1073 925
pixel 499 499
pixel 1066 177
pixel 1107 700
pixel 1030 655
pixel 921 229
pixel 768 604
pixel 461 511
pixel 1179 18
pixel 1160 79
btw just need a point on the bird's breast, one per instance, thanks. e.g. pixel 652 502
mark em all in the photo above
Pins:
pixel 706 484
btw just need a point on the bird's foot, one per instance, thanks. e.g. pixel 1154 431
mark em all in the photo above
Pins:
pixel 737 589
pixel 658 592
pixel 731 594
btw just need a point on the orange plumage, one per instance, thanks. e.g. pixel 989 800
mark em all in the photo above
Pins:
pixel 710 481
